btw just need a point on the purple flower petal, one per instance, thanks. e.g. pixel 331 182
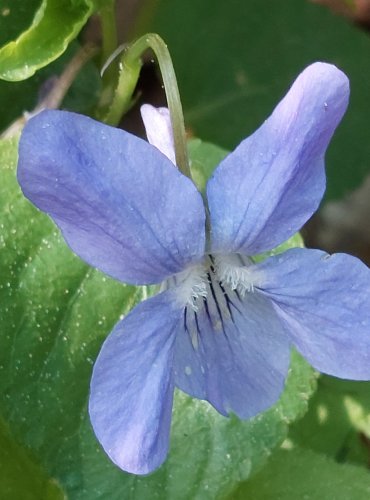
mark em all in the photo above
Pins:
pixel 234 354
pixel 132 386
pixel 265 190
pixel 121 205
pixel 323 301
pixel 158 128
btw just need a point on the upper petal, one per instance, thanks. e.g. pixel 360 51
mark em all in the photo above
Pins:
pixel 158 128
pixel 265 190
pixel 232 352
pixel 132 386
pixel 324 302
pixel 121 205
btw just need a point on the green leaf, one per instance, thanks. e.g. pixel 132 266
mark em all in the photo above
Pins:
pixel 303 474
pixel 54 314
pixel 15 17
pixel 204 158
pixel 55 24
pixel 21 477
pixel 99 4
pixel 338 421
pixel 19 97
pixel 232 74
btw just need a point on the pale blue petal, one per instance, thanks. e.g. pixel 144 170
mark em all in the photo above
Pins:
pixel 324 303
pixel 158 127
pixel 132 386
pixel 236 355
pixel 264 191
pixel 121 205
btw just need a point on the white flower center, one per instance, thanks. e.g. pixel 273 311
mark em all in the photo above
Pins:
pixel 191 285
pixel 212 293
pixel 215 278
pixel 237 272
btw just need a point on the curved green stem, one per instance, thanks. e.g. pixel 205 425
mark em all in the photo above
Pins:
pixel 121 102
pixel 109 41
pixel 129 73
pixel 108 27
pixel 155 42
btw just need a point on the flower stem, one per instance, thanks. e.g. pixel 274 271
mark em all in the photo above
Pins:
pixel 108 27
pixel 121 101
pixel 129 73
pixel 160 49
pixel 109 44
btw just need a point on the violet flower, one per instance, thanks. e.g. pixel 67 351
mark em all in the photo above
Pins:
pixel 223 325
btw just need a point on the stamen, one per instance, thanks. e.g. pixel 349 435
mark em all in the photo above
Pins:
pixel 191 285
pixel 211 292
pixel 240 278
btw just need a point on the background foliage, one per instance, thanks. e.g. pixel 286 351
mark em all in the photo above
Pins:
pixel 234 61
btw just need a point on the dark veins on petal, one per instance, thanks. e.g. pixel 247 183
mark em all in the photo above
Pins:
pixel 219 306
